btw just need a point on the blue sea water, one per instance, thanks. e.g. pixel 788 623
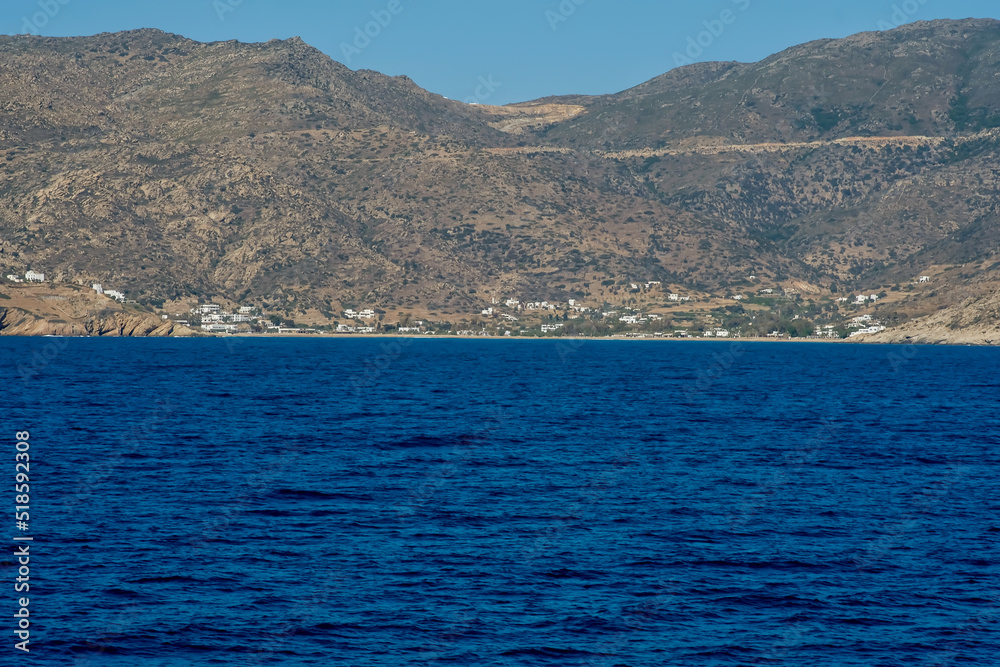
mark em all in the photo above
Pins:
pixel 397 502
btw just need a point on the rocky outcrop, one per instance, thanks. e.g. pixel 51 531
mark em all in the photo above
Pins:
pixel 17 322
pixel 975 321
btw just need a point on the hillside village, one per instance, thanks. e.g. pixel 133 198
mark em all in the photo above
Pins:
pixel 641 310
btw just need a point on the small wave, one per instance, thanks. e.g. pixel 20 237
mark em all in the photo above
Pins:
pixel 122 592
pixel 155 580
pixel 309 493
pixel 551 652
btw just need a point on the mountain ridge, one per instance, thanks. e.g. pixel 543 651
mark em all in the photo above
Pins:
pixel 268 172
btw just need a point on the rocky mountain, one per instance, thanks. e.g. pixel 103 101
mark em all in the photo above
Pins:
pixel 269 173
pixel 69 310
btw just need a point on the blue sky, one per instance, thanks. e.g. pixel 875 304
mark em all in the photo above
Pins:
pixel 524 49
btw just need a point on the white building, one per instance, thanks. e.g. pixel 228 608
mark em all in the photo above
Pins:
pixel 245 310
pixel 367 314
pixel 97 287
pixel 114 294
pixel 869 330
pixel 14 279
pixel 925 279
pixel 547 328
pixel 861 298
pixel 350 314
pixel 34 277
pixel 219 328
pixel 204 309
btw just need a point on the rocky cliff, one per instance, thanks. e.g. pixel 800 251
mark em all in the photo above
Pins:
pixel 16 322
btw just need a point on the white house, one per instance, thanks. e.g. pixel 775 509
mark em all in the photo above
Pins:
pixel 925 279
pixel 869 330
pixel 34 277
pixel 861 298
pixel 14 279
pixel 204 309
pixel 219 328
pixel 674 297
pixel 114 294
pixel 245 310
pixel 97 287
pixel 367 314
pixel 350 314
pixel 873 298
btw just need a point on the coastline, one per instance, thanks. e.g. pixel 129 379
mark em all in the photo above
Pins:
pixel 390 336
